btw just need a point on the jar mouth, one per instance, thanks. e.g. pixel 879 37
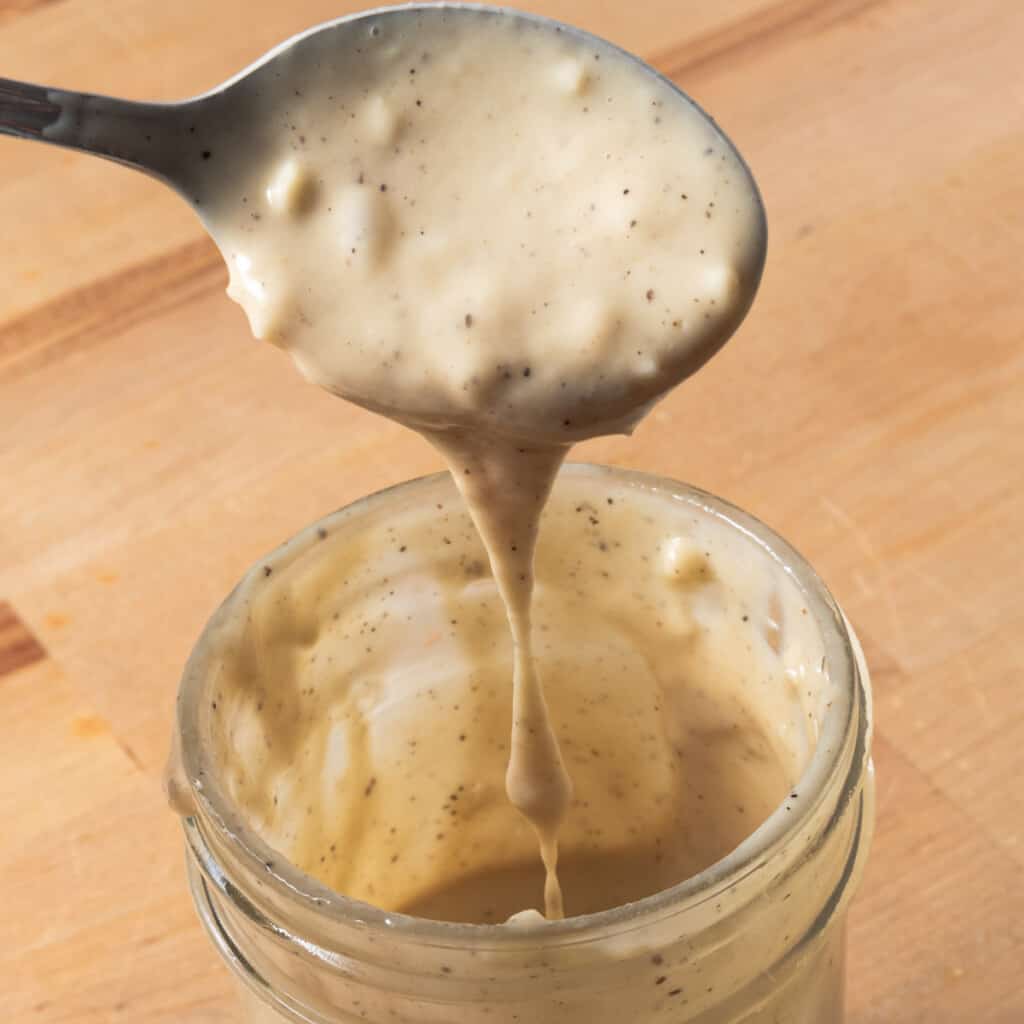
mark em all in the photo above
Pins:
pixel 841 748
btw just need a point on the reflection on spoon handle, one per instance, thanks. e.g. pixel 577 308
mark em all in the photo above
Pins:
pixel 138 135
pixel 26 110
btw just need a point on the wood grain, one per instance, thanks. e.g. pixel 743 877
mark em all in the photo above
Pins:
pixel 754 33
pixel 10 9
pixel 18 647
pixel 108 306
pixel 870 410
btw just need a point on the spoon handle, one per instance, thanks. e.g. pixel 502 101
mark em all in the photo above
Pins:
pixel 139 135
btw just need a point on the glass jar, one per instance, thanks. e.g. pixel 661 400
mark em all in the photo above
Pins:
pixel 757 937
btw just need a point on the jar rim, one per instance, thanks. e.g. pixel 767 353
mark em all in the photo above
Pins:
pixel 851 709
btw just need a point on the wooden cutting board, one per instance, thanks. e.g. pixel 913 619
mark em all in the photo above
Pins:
pixel 871 409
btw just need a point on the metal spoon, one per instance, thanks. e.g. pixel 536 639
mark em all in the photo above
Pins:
pixel 173 142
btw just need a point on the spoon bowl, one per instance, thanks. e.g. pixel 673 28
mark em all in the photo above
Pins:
pixel 206 148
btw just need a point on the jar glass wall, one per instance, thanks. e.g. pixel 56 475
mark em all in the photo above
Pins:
pixel 757 936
